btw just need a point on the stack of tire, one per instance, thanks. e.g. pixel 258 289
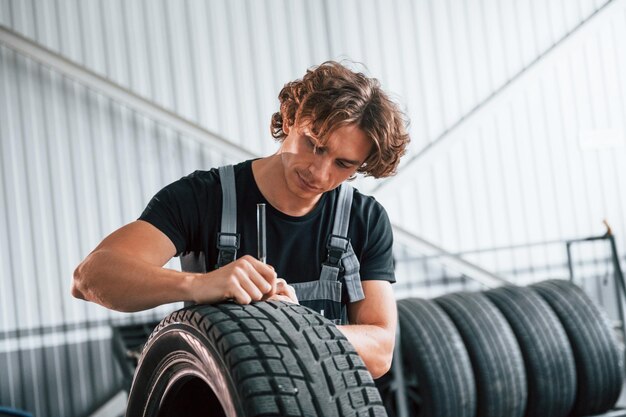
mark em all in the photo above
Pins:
pixel 544 350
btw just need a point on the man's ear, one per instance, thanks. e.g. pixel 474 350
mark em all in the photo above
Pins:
pixel 286 127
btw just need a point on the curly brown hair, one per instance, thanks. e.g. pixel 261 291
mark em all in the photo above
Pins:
pixel 330 96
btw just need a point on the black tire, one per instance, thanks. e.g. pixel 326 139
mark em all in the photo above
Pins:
pixel 264 359
pixel 494 353
pixel 548 357
pixel 599 361
pixel 437 368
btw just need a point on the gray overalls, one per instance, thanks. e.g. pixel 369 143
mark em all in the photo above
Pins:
pixel 323 295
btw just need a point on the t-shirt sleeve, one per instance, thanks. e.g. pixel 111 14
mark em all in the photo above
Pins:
pixel 175 211
pixel 377 258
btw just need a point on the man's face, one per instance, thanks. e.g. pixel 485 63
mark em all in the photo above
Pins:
pixel 311 170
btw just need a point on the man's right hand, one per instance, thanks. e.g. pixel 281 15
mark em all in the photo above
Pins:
pixel 244 280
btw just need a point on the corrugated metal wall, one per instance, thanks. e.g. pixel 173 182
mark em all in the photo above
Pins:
pixel 503 87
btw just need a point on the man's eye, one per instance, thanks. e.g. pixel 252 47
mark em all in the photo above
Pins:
pixel 342 164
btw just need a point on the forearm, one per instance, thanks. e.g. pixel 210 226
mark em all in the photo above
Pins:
pixel 374 344
pixel 126 284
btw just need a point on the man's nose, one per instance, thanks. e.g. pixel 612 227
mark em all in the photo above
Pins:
pixel 320 167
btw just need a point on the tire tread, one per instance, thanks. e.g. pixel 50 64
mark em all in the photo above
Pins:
pixel 285 359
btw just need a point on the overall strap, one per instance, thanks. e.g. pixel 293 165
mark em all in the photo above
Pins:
pixel 227 237
pixel 341 256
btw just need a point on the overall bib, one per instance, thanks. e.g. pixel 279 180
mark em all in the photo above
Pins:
pixel 322 295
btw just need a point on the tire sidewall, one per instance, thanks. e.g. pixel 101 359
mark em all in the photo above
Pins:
pixel 176 353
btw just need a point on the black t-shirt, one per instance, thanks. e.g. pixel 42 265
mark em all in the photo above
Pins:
pixel 189 210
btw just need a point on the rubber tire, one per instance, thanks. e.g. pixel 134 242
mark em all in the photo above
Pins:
pixel 264 359
pixel 494 353
pixel 598 357
pixel 548 357
pixel 434 355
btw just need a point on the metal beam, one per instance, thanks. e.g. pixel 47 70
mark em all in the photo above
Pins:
pixel 119 93
pixel 454 262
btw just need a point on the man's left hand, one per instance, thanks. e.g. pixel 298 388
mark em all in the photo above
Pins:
pixel 284 292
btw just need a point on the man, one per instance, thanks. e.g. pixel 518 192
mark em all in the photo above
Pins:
pixel 332 124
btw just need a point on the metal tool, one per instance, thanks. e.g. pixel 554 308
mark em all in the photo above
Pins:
pixel 261 234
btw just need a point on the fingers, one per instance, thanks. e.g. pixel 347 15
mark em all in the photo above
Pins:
pixel 281 286
pixel 248 279
pixel 261 273
pixel 292 294
pixel 268 273
pixel 286 290
pixel 240 296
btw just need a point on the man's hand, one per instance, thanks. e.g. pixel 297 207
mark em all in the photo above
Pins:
pixel 244 280
pixel 284 292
